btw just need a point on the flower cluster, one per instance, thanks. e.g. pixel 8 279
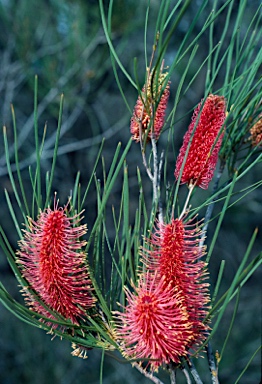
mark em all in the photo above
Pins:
pixel 149 112
pixel 198 155
pixel 176 254
pixel 155 324
pixel 165 314
pixel 54 265
pixel 164 318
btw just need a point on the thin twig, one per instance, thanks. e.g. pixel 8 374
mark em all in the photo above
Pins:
pixel 70 147
pixel 149 375
pixel 161 162
pixel 172 375
pixel 194 372
pixel 142 147
pixel 149 173
pixel 155 174
pixel 53 92
pixel 188 380
pixel 212 364
pixel 160 217
pixel 190 190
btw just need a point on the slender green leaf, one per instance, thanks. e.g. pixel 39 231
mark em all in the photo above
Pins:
pixel 59 125
pixel 248 364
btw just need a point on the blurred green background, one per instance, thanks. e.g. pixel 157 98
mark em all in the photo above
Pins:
pixel 64 44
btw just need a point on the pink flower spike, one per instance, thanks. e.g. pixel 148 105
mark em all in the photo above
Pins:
pixel 145 121
pixel 155 323
pixel 202 155
pixel 176 253
pixel 52 262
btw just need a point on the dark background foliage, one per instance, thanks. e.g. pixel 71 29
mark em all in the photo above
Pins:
pixel 63 43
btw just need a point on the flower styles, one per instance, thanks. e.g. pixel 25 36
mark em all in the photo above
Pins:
pixel 204 138
pixel 176 254
pixel 155 324
pixel 165 314
pixel 149 113
pixel 54 266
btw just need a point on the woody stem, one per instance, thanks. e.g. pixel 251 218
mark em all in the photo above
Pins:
pixel 190 190
pixel 194 372
pixel 149 375
pixel 157 177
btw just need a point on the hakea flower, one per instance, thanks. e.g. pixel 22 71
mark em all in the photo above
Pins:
pixel 149 112
pixel 54 265
pixel 154 324
pixel 204 138
pixel 175 253
pixel 256 133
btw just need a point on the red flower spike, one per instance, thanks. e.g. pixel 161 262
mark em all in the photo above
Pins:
pixel 176 253
pixel 52 262
pixel 205 145
pixel 143 113
pixel 155 324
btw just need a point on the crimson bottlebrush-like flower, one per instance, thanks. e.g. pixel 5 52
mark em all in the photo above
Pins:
pixel 149 112
pixel 54 265
pixel 204 139
pixel 176 255
pixel 155 323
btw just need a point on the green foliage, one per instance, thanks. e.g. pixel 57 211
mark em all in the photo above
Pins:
pixel 67 50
